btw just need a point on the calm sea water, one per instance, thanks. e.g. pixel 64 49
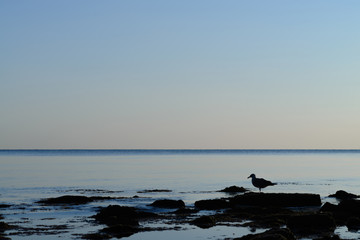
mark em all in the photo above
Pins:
pixel 27 176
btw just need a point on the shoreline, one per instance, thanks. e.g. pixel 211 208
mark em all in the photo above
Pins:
pixel 286 214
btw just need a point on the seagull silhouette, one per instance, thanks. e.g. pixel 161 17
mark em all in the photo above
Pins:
pixel 260 182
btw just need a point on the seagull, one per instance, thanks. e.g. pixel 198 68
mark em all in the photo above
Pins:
pixel 260 182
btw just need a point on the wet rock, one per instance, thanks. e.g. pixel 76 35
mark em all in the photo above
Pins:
pixel 115 214
pixel 353 224
pixel 67 199
pixel 168 203
pixel 121 230
pixel 343 211
pixel 277 199
pixel 350 205
pixel 204 222
pixel 311 223
pixel 234 189
pixel 341 194
pixel 212 204
pixel 4 226
pixel 154 191
pixel 329 207
pixel 96 236
pixel 272 234
pixel 185 211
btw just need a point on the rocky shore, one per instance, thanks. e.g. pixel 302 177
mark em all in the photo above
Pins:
pixel 281 216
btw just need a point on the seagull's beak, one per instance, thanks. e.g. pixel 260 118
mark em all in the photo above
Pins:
pixel 249 176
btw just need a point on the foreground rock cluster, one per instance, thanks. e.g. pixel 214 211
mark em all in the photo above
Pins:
pixel 287 216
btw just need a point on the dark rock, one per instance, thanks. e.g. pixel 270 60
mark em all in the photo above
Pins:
pixel 204 222
pixel 212 204
pixel 115 214
pixel 154 191
pixel 4 226
pixel 5 205
pixel 311 223
pixel 120 230
pixel 167 203
pixel 350 205
pixel 353 224
pixel 272 234
pixel 343 211
pixel 329 207
pixel 234 189
pixel 67 199
pixel 341 194
pixel 96 236
pixel 185 211
pixel 277 199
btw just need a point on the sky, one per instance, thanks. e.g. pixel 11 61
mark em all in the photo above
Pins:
pixel 184 74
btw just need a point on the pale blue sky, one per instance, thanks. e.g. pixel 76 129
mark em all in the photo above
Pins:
pixel 179 74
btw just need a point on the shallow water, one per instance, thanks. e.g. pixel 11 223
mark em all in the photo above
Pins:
pixel 28 176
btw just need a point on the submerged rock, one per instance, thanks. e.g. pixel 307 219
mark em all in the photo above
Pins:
pixel 277 199
pixel 272 234
pixel 185 211
pixel 154 191
pixel 212 204
pixel 96 236
pixel 204 222
pixel 234 189
pixel 67 199
pixel 168 203
pixel 120 230
pixel 341 194
pixel 5 205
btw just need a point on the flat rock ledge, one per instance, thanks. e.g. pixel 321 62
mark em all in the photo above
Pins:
pixel 168 203
pixel 277 199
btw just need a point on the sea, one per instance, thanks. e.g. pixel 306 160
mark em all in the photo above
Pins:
pixel 139 177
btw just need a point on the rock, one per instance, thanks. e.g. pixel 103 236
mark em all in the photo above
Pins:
pixel 212 204
pixel 96 236
pixel 167 203
pixel 341 194
pixel 4 226
pixel 115 214
pixel 154 191
pixel 204 222
pixel 272 234
pixel 277 199
pixel 343 211
pixel 234 189
pixel 311 223
pixel 350 205
pixel 185 211
pixel 5 205
pixel 67 199
pixel 353 224
pixel 120 230
pixel 329 207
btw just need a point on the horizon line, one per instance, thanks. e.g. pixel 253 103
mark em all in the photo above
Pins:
pixel 178 149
